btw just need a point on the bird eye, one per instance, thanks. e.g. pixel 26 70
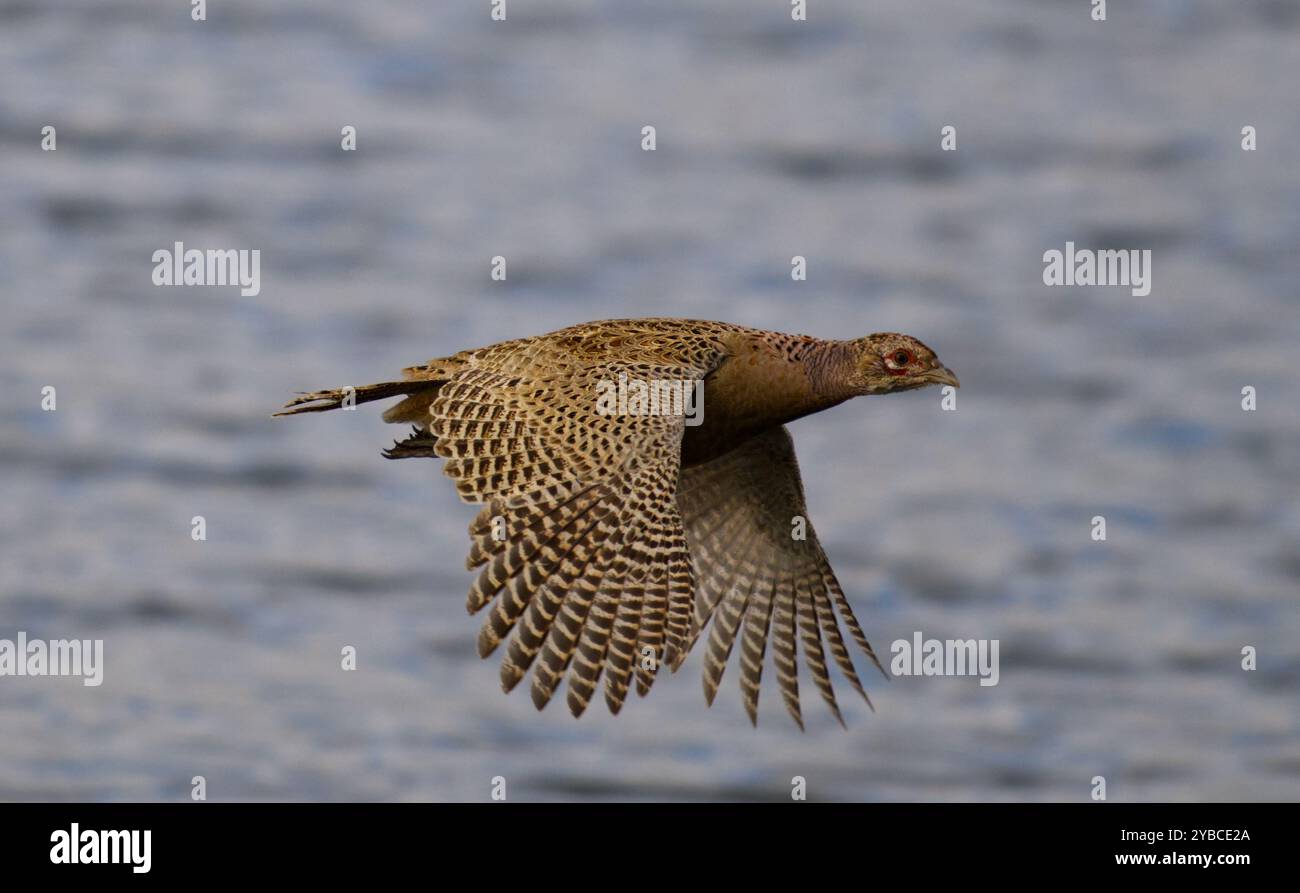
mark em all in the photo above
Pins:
pixel 901 357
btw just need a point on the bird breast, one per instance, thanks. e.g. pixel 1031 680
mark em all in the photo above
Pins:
pixel 756 388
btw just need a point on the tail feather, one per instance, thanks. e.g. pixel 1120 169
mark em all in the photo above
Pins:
pixel 419 443
pixel 321 401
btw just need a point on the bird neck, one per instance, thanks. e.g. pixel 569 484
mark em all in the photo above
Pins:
pixel 802 378
pixel 831 366
pixel 765 384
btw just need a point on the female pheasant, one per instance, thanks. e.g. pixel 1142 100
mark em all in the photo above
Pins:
pixel 612 533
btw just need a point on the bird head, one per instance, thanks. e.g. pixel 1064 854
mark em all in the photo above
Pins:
pixel 888 361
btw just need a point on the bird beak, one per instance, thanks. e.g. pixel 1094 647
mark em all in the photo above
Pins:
pixel 943 375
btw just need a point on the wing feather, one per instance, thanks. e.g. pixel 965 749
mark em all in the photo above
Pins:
pixel 742 511
pixel 593 565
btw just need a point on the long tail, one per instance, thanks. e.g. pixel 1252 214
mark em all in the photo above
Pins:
pixel 322 401
pixel 419 393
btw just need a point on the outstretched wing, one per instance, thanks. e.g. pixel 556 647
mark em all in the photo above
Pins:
pixel 757 581
pixel 581 547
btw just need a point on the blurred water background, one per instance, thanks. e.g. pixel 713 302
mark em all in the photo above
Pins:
pixel 522 139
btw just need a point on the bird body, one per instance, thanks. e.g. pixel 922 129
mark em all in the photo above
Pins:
pixel 608 543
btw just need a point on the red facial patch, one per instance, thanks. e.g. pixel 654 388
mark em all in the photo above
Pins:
pixel 898 361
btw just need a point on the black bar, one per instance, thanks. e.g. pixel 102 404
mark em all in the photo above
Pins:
pixel 506 841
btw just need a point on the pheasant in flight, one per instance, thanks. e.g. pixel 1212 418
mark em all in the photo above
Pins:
pixel 612 536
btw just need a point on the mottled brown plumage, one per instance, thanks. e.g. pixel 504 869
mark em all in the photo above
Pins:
pixel 609 542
